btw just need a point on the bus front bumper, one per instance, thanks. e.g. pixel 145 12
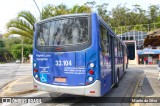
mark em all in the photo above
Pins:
pixel 93 89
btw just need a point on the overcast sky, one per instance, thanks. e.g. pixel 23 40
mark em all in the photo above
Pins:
pixel 10 8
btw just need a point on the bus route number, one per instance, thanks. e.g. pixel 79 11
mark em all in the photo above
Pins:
pixel 63 63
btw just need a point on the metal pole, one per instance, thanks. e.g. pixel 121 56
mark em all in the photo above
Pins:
pixel 22 51
pixel 38 9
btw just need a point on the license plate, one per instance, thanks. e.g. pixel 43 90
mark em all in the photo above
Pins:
pixel 60 79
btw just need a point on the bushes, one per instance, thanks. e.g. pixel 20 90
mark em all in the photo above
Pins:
pixel 17 50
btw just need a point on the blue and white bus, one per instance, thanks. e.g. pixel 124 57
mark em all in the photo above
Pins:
pixel 77 54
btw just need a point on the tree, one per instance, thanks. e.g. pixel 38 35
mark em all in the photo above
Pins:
pixel 138 15
pixel 16 50
pixel 2 51
pixel 90 4
pixel 48 11
pixel 119 16
pixel 80 9
pixel 9 42
pixel 22 25
pixel 102 11
pixel 154 13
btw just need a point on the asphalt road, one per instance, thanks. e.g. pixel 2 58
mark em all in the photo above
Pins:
pixel 11 71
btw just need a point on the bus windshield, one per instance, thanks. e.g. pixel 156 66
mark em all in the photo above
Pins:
pixel 60 32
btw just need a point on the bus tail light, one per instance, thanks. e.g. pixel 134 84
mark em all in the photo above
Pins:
pixel 35 70
pixel 91 72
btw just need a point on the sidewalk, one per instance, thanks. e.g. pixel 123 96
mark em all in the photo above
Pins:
pixel 18 87
pixel 148 86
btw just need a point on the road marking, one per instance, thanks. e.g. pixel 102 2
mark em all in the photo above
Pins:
pixel 6 91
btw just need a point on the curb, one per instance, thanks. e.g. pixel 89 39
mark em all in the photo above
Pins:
pixel 18 93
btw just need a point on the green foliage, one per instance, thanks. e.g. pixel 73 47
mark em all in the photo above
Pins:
pixel 47 11
pixel 27 50
pixel 21 25
pixel 2 51
pixel 119 16
pixel 102 11
pixel 9 42
pixel 154 13
pixel 17 50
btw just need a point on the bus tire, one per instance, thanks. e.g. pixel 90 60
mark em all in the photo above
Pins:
pixel 126 66
pixel 117 80
pixel 125 71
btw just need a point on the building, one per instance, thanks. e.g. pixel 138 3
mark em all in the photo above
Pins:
pixel 143 47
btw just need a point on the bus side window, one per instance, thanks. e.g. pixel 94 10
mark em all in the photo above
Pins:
pixel 101 40
pixel 104 41
pixel 116 47
pixel 121 50
pixel 118 51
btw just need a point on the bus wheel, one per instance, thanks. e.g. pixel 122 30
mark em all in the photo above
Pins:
pixel 126 66
pixel 117 81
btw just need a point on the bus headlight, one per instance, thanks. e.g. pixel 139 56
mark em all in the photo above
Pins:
pixel 91 65
pixel 90 79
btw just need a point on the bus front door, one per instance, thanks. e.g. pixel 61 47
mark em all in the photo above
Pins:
pixel 112 61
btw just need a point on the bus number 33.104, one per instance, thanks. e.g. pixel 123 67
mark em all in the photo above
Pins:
pixel 63 63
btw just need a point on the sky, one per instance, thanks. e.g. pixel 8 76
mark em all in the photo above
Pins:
pixel 10 8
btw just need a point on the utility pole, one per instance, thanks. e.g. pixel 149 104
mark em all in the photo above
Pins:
pixel 38 9
pixel 22 51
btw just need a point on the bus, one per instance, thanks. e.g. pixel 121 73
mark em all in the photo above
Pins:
pixel 77 54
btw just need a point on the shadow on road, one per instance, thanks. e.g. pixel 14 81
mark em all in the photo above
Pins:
pixel 147 88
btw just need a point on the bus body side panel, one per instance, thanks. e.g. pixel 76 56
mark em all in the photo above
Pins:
pixel 105 69
pixel 122 61
pixel 93 57
pixel 105 73
pixel 118 60
pixel 120 66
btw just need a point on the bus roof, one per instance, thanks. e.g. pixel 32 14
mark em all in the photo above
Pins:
pixel 63 16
